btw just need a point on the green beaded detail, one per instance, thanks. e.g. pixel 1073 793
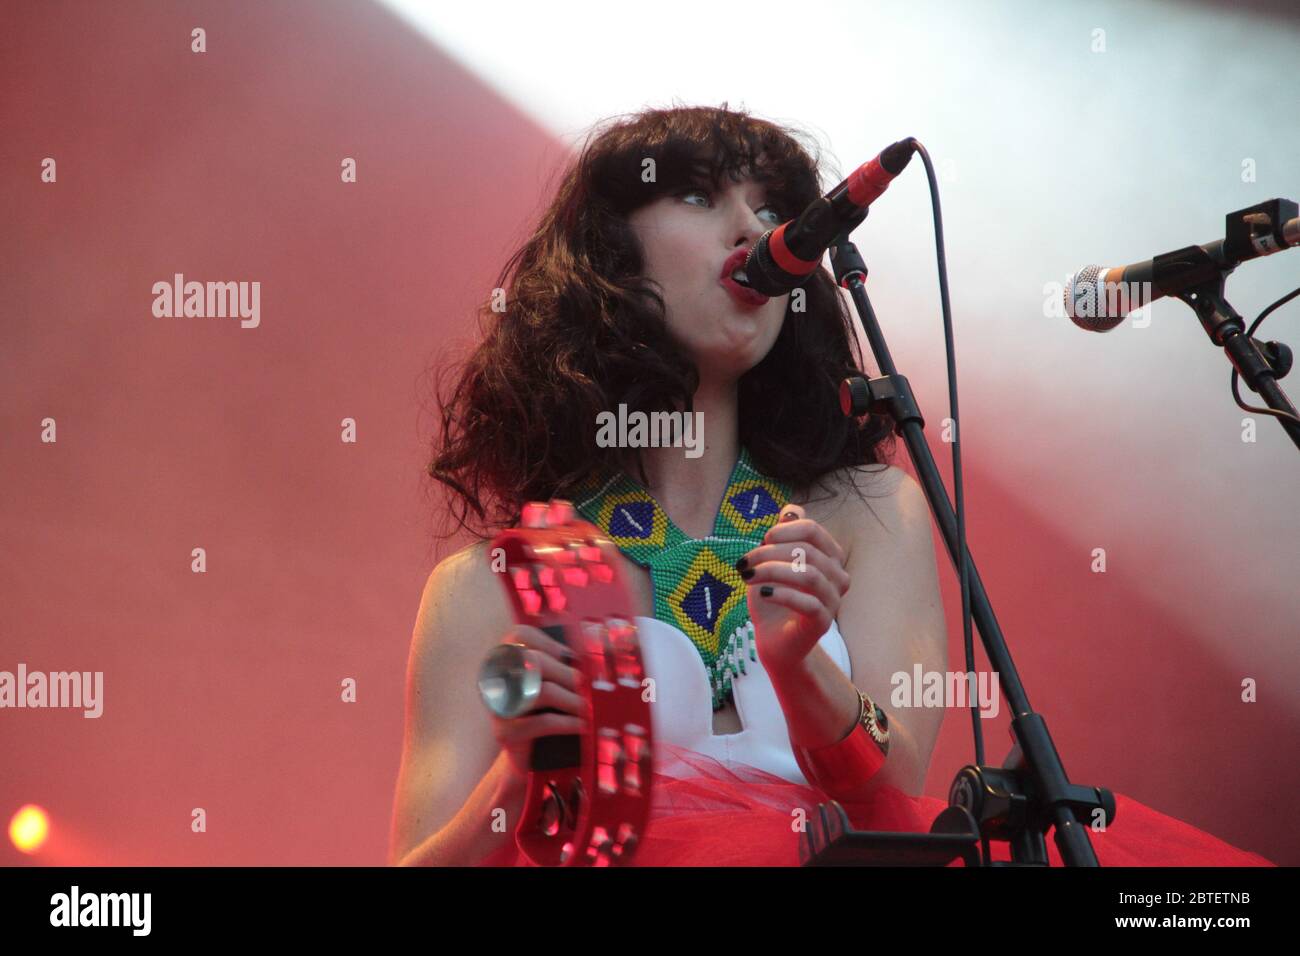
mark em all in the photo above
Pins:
pixel 697 588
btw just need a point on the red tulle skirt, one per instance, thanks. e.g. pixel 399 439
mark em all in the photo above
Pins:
pixel 706 814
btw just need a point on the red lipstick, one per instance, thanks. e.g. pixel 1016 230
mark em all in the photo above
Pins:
pixel 742 294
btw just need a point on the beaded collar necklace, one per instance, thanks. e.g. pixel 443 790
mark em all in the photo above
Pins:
pixel 696 586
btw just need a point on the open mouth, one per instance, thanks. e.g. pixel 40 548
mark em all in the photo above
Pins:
pixel 741 292
pixel 736 281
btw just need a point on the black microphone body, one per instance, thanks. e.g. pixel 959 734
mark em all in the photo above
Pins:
pixel 784 257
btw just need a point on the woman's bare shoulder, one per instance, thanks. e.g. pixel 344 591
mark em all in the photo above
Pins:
pixel 465 562
pixel 463 591
pixel 850 497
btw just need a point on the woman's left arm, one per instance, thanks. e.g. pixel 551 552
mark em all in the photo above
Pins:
pixel 885 597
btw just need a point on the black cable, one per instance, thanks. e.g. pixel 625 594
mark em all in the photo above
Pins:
pixel 968 643
pixel 1236 395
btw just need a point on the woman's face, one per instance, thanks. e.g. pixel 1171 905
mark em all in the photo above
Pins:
pixel 687 238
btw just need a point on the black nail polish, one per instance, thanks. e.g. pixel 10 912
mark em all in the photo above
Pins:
pixel 742 564
pixel 765 590
pixel 747 573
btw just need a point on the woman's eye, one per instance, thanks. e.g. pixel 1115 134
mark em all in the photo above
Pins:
pixel 777 217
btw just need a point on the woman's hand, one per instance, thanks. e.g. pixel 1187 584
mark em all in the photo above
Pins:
pixel 561 691
pixel 804 568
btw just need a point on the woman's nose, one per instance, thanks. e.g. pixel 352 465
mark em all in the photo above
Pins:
pixel 749 227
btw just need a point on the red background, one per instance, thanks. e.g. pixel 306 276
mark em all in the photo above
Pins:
pixel 223 689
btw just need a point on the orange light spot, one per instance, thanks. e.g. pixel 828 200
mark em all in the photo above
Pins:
pixel 29 827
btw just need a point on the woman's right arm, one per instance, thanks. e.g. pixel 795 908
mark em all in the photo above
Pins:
pixel 463 778
pixel 468 838
pixel 454 775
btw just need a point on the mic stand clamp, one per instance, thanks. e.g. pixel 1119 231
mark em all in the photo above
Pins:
pixel 1260 365
pixel 1197 275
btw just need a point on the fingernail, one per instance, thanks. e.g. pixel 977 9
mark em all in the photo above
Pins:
pixel 788 516
pixel 747 573
pixel 765 590
pixel 742 564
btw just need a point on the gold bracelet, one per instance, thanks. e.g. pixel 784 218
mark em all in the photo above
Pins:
pixel 842 767
pixel 875 721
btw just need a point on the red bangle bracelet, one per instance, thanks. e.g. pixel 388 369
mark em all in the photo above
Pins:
pixel 841 768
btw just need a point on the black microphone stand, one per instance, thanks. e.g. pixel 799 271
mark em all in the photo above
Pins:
pixel 1030 792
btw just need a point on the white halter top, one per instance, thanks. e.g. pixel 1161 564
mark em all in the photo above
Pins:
pixel 681 713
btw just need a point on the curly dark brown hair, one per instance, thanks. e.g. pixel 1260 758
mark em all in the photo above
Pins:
pixel 582 331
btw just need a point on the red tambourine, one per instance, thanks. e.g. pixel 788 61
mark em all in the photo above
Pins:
pixel 588 799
